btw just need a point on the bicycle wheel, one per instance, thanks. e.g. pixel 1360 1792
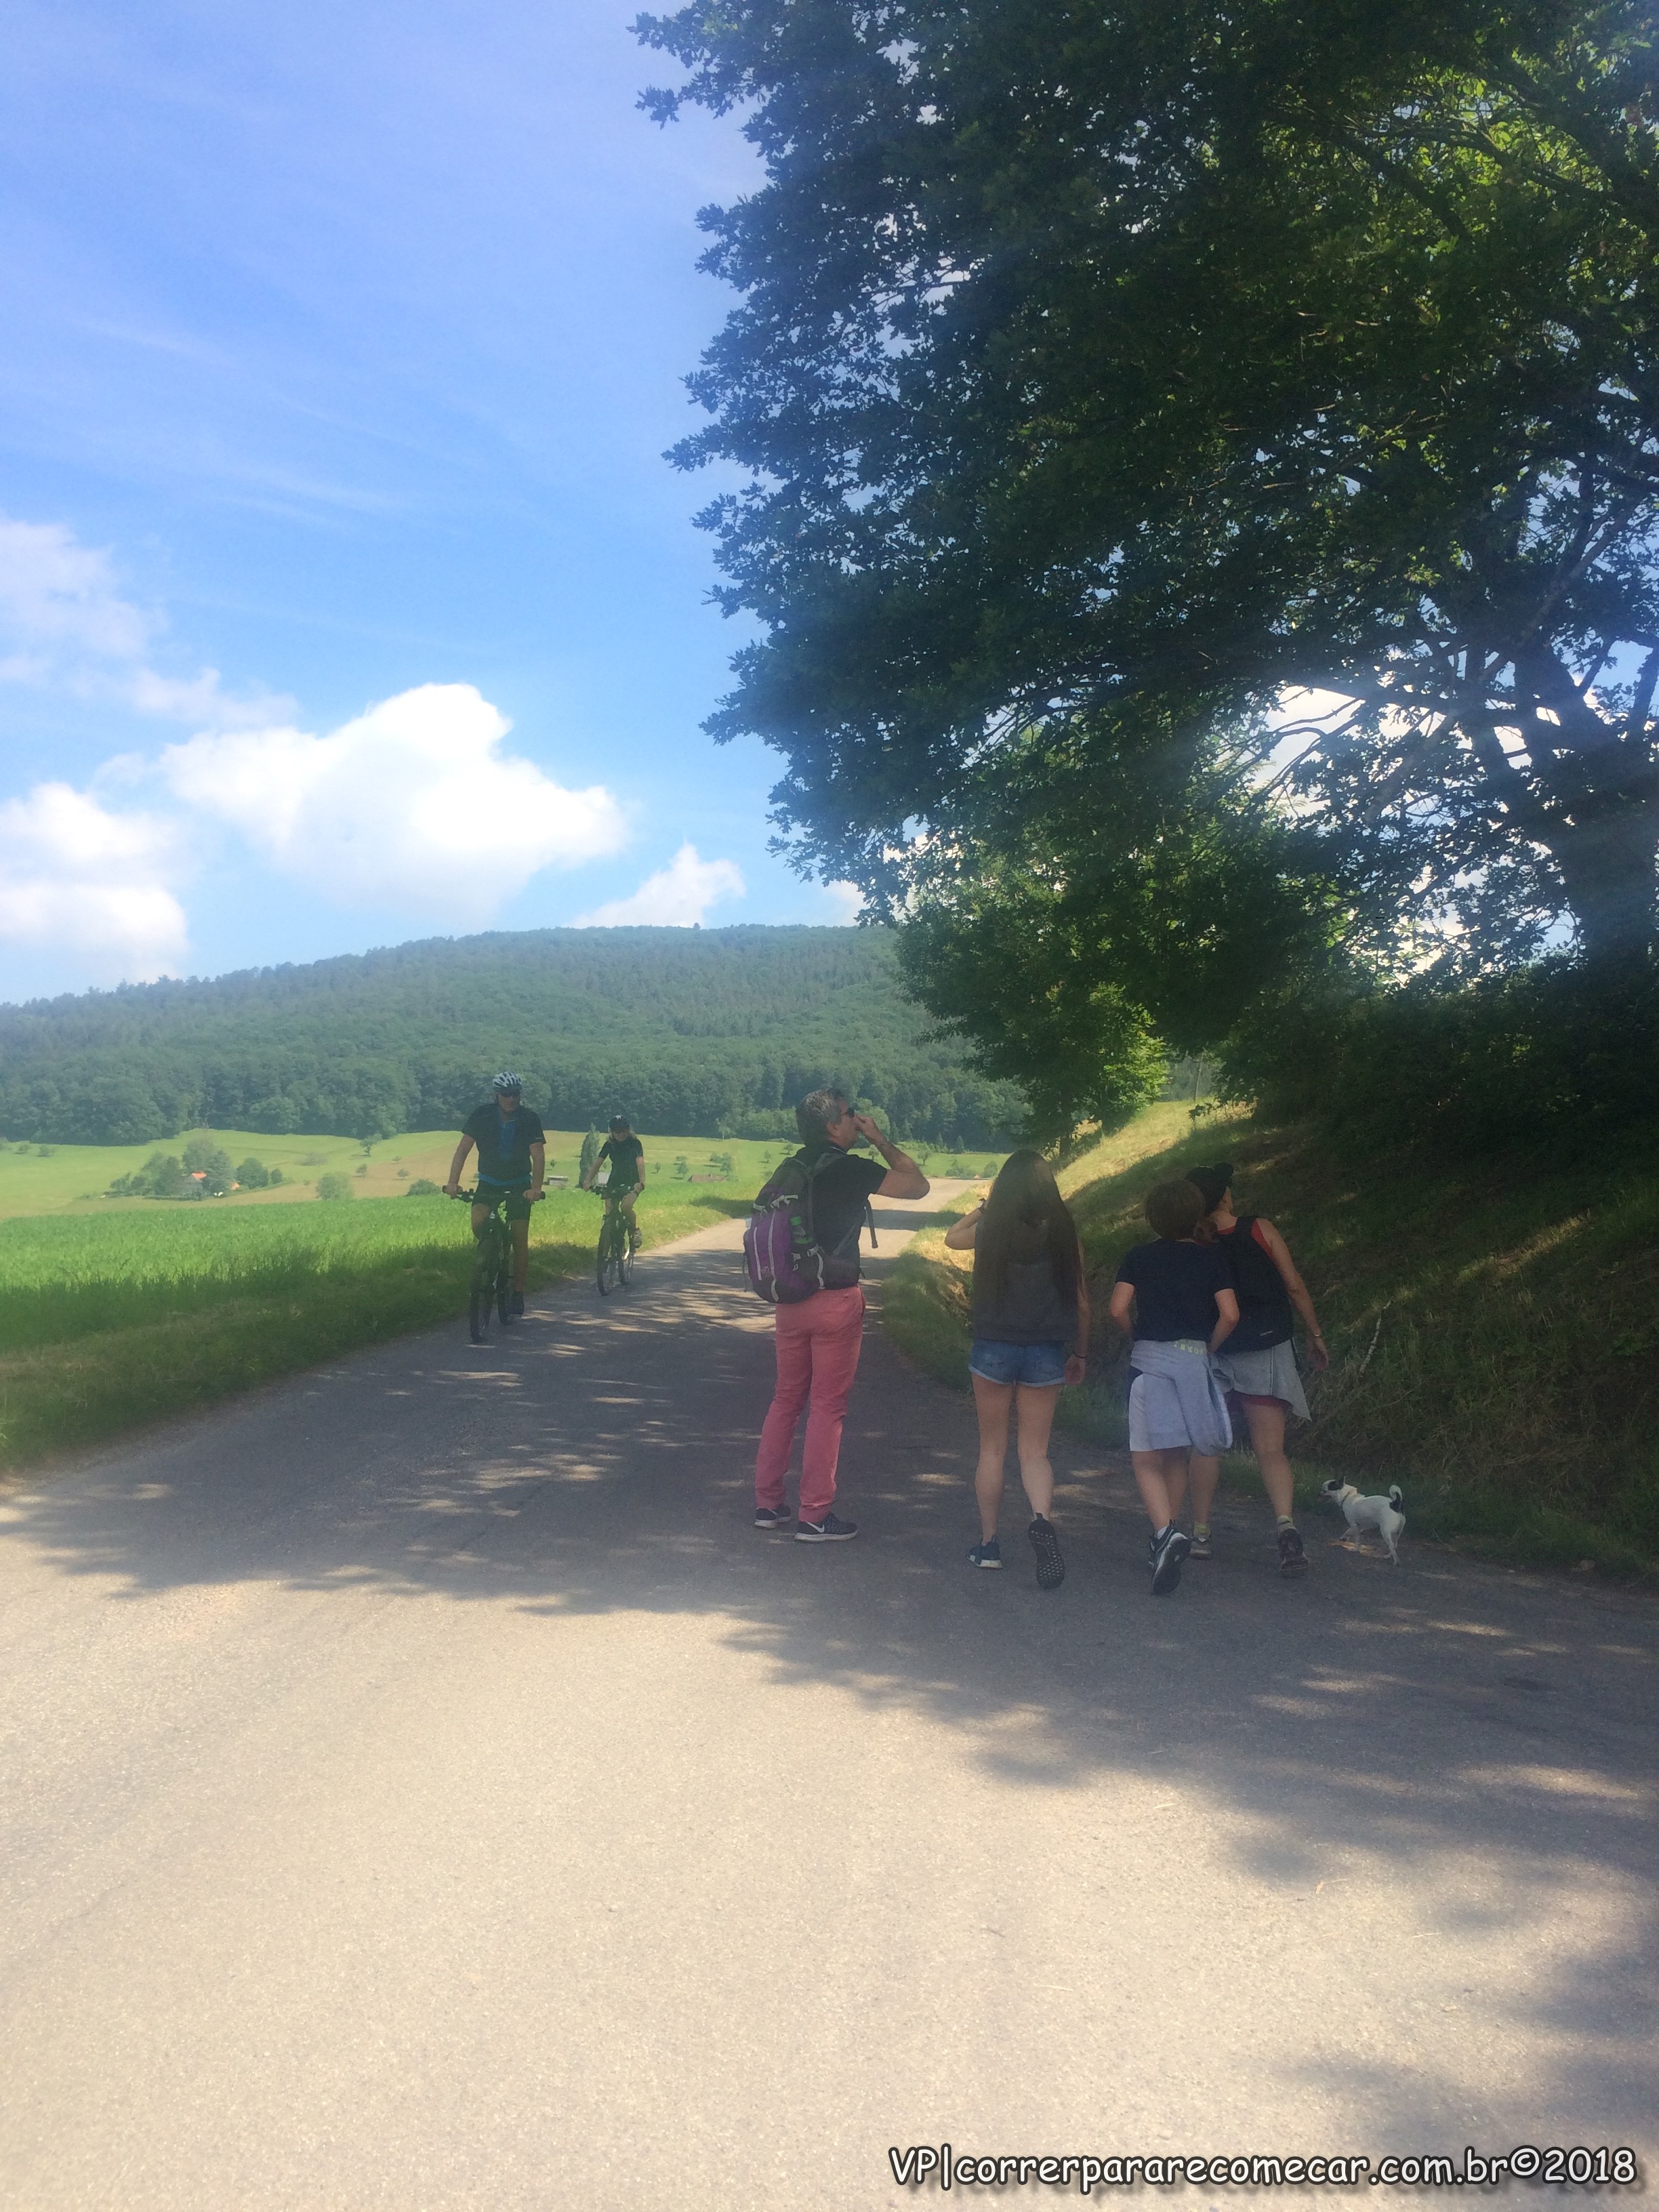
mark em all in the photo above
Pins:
pixel 609 1267
pixel 625 1260
pixel 483 1288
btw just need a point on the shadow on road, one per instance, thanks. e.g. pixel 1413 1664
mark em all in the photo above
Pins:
pixel 1479 1741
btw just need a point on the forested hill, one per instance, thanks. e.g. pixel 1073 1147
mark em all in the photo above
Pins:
pixel 696 1032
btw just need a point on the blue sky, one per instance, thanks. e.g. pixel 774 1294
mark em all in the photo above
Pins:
pixel 345 594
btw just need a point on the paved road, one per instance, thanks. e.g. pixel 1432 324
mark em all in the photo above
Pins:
pixel 424 1789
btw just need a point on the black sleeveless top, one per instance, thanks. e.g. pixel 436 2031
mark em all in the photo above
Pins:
pixel 1264 1303
pixel 1031 1310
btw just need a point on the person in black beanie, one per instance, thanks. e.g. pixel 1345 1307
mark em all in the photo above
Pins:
pixel 1257 1365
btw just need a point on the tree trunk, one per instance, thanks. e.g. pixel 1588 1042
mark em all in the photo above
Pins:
pixel 1610 869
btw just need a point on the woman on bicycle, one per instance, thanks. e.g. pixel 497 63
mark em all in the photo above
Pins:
pixel 1031 1336
pixel 626 1157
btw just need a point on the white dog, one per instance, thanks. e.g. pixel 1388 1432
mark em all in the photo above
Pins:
pixel 1382 1514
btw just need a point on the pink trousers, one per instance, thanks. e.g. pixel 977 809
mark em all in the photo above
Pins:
pixel 818 1344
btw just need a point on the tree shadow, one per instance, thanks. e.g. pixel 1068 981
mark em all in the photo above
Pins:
pixel 1416 1755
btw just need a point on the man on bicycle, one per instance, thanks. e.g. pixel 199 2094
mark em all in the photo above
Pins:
pixel 512 1161
pixel 626 1157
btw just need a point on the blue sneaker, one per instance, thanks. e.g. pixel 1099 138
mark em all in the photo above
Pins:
pixel 988 1554
pixel 832 1530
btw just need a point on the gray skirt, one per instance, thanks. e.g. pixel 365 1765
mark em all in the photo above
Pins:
pixel 1270 1374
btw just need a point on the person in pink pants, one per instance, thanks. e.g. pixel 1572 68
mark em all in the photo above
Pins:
pixel 819 1340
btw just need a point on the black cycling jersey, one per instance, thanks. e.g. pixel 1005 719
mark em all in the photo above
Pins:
pixel 504 1144
pixel 624 1154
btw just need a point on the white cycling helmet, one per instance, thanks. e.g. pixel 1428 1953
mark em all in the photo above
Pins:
pixel 506 1081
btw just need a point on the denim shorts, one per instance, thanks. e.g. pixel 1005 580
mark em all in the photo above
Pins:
pixel 1038 1366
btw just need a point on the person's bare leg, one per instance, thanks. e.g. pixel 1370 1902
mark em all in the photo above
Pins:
pixel 991 1403
pixel 1155 1473
pixel 627 1205
pixel 1033 1417
pixel 1175 1482
pixel 520 1255
pixel 1268 1443
pixel 1205 1473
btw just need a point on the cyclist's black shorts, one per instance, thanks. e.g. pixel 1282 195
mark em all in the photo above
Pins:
pixel 517 1195
pixel 623 1190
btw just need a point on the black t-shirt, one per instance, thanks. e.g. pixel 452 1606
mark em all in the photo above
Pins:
pixel 840 1191
pixel 1175 1287
pixel 504 1146
pixel 624 1154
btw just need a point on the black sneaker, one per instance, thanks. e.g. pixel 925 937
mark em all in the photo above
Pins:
pixel 773 1516
pixel 985 1554
pixel 518 1304
pixel 1051 1567
pixel 1292 1559
pixel 832 1530
pixel 1168 1550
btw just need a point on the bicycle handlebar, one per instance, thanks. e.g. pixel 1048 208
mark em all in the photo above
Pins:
pixel 474 1197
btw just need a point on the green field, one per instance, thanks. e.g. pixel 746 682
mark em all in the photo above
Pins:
pixel 72 1178
pixel 1493 1336
pixel 113 1312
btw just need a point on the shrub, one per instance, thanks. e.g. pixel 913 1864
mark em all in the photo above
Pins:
pixel 423 1186
pixel 334 1186
pixel 163 1176
pixel 1556 1060
pixel 253 1175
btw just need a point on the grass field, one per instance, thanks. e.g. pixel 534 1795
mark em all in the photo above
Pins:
pixel 114 1312
pixel 71 1178
pixel 1493 1335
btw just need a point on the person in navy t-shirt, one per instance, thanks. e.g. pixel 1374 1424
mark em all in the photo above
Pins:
pixel 512 1147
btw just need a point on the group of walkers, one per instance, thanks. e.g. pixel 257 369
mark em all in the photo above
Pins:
pixel 1208 1304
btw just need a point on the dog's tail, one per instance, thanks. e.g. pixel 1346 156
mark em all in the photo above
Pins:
pixel 1396 1497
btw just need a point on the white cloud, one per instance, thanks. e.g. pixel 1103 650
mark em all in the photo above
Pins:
pixel 413 805
pixel 63 620
pixel 678 895
pixel 75 877
pixel 846 901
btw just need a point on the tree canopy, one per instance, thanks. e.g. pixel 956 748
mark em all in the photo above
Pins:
pixel 1122 366
pixel 693 1032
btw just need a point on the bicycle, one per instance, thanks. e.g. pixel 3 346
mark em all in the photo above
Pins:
pixel 492 1268
pixel 616 1254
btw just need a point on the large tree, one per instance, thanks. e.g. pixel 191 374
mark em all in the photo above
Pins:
pixel 1125 365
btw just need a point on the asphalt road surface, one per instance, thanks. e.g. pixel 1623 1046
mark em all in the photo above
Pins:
pixel 424 1788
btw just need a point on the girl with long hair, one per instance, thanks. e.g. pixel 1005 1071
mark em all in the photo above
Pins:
pixel 1030 1337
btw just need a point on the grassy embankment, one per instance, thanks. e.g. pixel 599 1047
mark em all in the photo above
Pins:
pixel 114 1312
pixel 1494 1336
